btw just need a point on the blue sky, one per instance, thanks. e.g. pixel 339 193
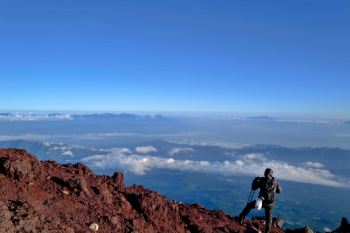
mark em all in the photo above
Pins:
pixel 209 56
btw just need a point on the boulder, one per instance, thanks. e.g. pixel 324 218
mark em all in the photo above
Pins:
pixel 19 165
pixel 277 222
pixel 118 181
pixel 305 229
pixel 79 183
pixel 5 219
pixel 83 170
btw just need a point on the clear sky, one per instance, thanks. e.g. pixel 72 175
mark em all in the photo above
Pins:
pixel 213 56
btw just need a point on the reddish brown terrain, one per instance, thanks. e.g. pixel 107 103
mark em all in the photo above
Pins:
pixel 51 197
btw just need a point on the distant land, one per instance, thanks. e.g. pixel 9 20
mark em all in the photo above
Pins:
pixel 264 118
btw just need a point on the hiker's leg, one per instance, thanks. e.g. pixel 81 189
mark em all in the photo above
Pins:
pixel 246 211
pixel 268 215
pixel 248 207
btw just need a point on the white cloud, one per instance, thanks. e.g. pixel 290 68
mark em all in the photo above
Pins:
pixel 97 136
pixel 238 162
pixel 178 150
pixel 46 143
pixel 118 150
pixel 140 164
pixel 204 163
pixel 61 148
pixel 145 149
pixel 220 144
pixel 312 122
pixel 68 152
pixel 232 153
pixel 311 164
pixel 251 158
pixel 33 117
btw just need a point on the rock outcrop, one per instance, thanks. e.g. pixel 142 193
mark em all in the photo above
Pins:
pixel 344 226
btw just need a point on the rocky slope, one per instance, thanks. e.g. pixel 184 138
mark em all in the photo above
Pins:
pixel 51 197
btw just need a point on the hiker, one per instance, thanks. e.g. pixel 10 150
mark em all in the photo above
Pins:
pixel 268 187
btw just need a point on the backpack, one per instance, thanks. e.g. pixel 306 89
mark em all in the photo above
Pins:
pixel 267 192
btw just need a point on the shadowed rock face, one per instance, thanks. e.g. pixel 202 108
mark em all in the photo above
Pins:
pixel 51 197
pixel 344 226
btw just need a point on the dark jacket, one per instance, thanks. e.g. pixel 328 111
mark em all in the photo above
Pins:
pixel 262 183
pixel 258 184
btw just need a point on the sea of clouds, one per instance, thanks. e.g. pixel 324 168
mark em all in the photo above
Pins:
pixel 140 160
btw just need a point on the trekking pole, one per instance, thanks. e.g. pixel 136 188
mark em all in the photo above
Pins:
pixel 250 198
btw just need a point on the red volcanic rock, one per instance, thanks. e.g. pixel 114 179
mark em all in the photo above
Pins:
pixel 251 229
pixel 19 165
pixel 52 197
pixel 305 229
pixel 78 183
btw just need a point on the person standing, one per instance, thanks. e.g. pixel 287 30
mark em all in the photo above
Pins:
pixel 268 187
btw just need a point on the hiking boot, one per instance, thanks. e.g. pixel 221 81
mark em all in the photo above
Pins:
pixel 241 218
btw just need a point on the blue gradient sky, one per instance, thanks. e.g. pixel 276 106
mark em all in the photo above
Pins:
pixel 212 56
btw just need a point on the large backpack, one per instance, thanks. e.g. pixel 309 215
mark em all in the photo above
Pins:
pixel 267 192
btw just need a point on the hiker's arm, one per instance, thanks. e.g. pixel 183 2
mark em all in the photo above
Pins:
pixel 256 183
pixel 278 188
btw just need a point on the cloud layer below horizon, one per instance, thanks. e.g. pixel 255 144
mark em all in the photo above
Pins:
pixel 245 165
